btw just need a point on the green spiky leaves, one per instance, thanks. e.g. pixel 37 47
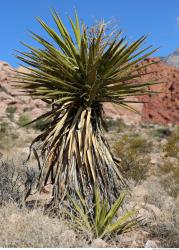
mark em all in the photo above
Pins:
pixel 101 220
pixel 83 70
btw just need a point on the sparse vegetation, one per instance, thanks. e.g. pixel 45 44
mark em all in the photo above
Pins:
pixel 163 229
pixel 167 234
pixel 24 228
pixel 133 144
pixel 172 146
pixel 169 172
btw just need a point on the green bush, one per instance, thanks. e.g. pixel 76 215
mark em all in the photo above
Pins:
pixel 162 132
pixel 10 111
pixel 117 124
pixel 24 119
pixel 40 124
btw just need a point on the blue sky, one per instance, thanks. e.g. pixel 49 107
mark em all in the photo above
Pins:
pixel 134 17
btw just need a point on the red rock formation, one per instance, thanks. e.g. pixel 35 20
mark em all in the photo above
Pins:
pixel 160 108
pixel 10 97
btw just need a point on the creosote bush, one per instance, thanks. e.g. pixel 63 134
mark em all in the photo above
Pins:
pixel 131 151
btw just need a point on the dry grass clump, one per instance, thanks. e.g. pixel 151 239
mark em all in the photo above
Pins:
pixel 167 234
pixel 24 228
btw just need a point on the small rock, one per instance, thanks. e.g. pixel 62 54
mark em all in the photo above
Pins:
pixel 152 244
pixel 163 142
pixel 99 243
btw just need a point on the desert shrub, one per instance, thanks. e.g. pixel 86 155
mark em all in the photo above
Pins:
pixel 134 167
pixel 10 111
pixel 40 124
pixel 24 119
pixel 117 124
pixel 4 128
pixel 172 146
pixel 162 132
pixel 130 151
pixel 15 182
pixel 167 234
pixel 132 144
pixel 11 183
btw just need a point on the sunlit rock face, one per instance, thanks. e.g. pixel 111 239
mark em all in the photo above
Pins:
pixel 10 96
pixel 161 108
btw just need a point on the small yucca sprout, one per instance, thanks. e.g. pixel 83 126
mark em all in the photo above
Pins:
pixel 76 76
pixel 101 220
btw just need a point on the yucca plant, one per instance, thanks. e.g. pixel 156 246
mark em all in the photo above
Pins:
pixel 101 220
pixel 76 75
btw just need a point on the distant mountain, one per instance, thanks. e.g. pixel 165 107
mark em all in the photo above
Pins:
pixel 172 59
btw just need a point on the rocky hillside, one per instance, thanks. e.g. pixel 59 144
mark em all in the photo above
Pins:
pixel 9 98
pixel 162 108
